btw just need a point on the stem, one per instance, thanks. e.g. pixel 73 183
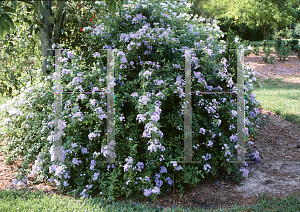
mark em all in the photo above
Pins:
pixel 173 184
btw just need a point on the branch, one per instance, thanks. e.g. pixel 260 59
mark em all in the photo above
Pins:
pixel 27 1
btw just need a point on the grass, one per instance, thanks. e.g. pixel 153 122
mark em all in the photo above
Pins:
pixel 281 97
pixel 270 43
pixel 31 201
pixel 276 95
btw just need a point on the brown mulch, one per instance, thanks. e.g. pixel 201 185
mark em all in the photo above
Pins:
pixel 219 192
pixel 280 69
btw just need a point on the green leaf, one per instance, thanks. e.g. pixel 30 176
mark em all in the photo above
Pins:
pixel 8 9
pixel 1 30
pixel 30 29
pixel 14 3
pixel 5 25
pixel 9 21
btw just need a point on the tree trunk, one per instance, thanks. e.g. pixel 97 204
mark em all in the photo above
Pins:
pixel 265 31
pixel 49 32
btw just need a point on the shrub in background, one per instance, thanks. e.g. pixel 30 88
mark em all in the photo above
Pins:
pixel 149 108
pixel 267 52
pixel 297 30
pixel 241 30
pixel 256 50
pixel 283 49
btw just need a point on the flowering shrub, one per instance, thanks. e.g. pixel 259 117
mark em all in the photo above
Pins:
pixel 149 108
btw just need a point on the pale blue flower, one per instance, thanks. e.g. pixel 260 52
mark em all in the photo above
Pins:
pixel 77 80
pixel 159 183
pixel 256 155
pixel 99 110
pixel 147 178
pixel 94 102
pixel 78 114
pixel 15 181
pixel 234 113
pixel 74 145
pixel 60 170
pixel 81 96
pixel 124 60
pixel 70 54
pixel 233 138
pixel 205 167
pixel 93 162
pixel 57 182
pixel 91 136
pixel 96 54
pixel 89 186
pixel 208 156
pixel 96 174
pixel 156 176
pixel 84 151
pixel 76 161
pixel 170 181
pixel 179 168
pixel 155 190
pixel 245 172
pixel 140 166
pixel 147 192
pixel 134 94
pixel 67 175
pixel 83 193
pixel 202 130
pixel 174 163
pixel 163 169
pixel 44 127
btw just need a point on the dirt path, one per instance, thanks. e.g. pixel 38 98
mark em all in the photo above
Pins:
pixel 278 172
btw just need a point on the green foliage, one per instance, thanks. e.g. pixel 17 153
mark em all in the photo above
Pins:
pixel 6 23
pixel 18 53
pixel 242 30
pixel 294 43
pixel 283 49
pixel 256 50
pixel 29 120
pixel 267 52
pixel 246 43
pixel 297 29
pixel 264 14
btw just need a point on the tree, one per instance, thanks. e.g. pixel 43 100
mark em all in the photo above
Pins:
pixel 50 15
pixel 266 14
pixel 5 21
pixel 198 8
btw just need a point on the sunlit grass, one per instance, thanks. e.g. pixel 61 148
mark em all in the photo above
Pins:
pixel 281 97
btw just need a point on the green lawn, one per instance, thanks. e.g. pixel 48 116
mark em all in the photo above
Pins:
pixel 281 98
pixel 270 43
pixel 29 201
